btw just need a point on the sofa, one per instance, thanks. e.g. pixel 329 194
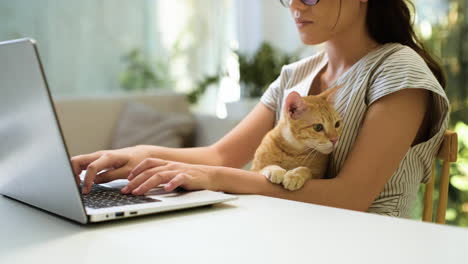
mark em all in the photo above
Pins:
pixel 89 123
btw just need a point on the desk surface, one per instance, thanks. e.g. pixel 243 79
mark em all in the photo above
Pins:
pixel 252 229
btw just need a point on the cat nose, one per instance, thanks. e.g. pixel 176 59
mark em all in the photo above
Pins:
pixel 333 141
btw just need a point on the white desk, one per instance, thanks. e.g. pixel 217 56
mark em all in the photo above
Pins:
pixel 252 229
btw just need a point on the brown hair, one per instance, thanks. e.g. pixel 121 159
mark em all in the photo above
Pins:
pixel 390 21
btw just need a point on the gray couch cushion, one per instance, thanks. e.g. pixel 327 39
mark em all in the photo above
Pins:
pixel 140 124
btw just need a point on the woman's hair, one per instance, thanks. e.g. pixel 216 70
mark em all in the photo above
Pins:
pixel 390 21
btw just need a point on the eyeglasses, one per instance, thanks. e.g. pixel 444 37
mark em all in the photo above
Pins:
pixel 287 3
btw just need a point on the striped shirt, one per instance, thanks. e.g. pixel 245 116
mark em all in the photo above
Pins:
pixel 385 70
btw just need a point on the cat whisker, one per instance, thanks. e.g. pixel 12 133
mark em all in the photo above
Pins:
pixel 306 158
pixel 316 153
pixel 313 151
pixel 306 150
pixel 301 154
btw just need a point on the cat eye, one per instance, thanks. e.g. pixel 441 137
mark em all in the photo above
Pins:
pixel 337 124
pixel 318 127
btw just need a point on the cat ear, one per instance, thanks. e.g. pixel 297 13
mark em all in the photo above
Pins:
pixel 330 94
pixel 295 106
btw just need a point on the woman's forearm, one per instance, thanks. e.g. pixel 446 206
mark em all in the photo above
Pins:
pixel 329 192
pixel 200 155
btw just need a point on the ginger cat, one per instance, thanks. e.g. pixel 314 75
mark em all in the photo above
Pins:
pixel 297 148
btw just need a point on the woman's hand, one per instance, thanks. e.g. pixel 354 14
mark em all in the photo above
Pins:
pixel 152 172
pixel 117 163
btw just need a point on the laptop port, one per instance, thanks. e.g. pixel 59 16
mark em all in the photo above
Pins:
pixel 119 214
pixel 133 213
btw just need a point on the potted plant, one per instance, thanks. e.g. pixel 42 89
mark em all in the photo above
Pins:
pixel 257 72
pixel 141 75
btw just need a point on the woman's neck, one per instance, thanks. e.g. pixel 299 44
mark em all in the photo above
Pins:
pixel 348 47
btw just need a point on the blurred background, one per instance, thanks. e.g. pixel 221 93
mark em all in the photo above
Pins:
pixel 222 54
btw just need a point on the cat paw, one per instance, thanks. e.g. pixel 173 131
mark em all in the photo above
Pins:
pixel 274 173
pixel 294 179
pixel 293 182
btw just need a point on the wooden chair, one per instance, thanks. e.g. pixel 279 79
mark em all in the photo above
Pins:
pixel 447 153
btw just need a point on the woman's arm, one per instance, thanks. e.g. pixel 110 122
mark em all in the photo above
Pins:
pixel 238 147
pixel 233 150
pixel 198 155
pixel 389 127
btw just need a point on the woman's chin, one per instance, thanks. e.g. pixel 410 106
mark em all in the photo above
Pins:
pixel 307 40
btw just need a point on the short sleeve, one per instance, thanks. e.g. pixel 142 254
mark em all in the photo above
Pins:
pixel 405 69
pixel 272 96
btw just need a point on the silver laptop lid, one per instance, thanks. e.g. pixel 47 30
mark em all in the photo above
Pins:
pixel 34 163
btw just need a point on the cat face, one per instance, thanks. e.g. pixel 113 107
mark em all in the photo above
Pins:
pixel 312 121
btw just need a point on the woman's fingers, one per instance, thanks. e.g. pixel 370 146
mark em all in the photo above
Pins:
pixel 142 180
pixel 106 161
pixel 137 181
pixel 177 181
pixel 153 170
pixel 81 162
pixel 144 165
pixel 111 175
pixel 155 181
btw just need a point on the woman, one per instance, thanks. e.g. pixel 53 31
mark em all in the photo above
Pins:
pixel 392 103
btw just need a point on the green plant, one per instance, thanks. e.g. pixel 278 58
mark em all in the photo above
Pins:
pixel 457 212
pixel 256 72
pixel 260 70
pixel 201 87
pixel 140 74
pixel 445 42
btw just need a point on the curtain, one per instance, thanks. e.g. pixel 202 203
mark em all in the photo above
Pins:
pixel 199 36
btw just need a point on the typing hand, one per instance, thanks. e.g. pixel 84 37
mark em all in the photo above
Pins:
pixel 116 164
pixel 152 172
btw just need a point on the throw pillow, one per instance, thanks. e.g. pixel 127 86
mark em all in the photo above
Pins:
pixel 140 124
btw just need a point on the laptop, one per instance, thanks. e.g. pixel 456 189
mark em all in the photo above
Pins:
pixel 34 162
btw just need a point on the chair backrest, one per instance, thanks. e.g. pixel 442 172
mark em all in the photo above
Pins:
pixel 448 152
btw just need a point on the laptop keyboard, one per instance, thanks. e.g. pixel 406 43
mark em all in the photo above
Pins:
pixel 103 197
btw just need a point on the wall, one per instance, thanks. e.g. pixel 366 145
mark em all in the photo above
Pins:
pixel 267 20
pixel 80 42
